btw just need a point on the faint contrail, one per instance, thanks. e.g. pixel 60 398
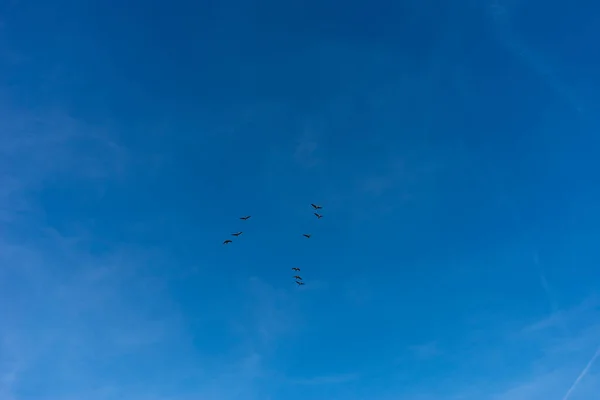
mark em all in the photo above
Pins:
pixel 507 36
pixel 544 283
pixel 582 375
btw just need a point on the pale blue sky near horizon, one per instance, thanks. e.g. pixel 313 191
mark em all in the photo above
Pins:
pixel 454 148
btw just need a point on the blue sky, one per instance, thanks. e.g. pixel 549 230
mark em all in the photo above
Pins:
pixel 454 148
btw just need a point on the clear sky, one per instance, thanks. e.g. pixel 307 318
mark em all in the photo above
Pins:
pixel 454 147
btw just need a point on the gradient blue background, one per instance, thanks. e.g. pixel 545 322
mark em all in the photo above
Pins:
pixel 454 146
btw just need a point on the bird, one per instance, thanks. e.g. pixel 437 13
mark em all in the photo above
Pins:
pixel 295 269
pixel 319 216
pixel 300 283
pixel 306 235
pixel 227 241
pixel 236 234
pixel 298 277
pixel 316 207
pixel 246 217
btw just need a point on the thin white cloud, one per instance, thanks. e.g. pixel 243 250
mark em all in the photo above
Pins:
pixel 545 370
pixel 544 282
pixel 508 37
pixel 561 318
pixel 36 148
pixel 582 375
pixel 73 310
pixel 562 339
pixel 325 379
pixel 426 350
pixel 304 153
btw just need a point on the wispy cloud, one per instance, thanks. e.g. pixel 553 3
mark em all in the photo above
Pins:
pixel 37 149
pixel 572 316
pixel 325 380
pixel 539 362
pixel 105 312
pixel 77 314
pixel 377 185
pixel 544 281
pixel 426 350
pixel 582 374
pixel 406 176
pixel 307 148
pixel 500 13
pixel 560 349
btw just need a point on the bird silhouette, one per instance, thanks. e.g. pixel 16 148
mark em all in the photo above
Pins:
pixel 316 207
pixel 295 269
pixel 298 277
pixel 319 216
pixel 306 235
pixel 246 217
pixel 227 241
pixel 236 234
pixel 300 283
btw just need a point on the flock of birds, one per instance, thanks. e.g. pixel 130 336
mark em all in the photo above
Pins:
pixel 297 277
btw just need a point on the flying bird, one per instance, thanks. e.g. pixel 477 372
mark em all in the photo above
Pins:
pixel 306 235
pixel 236 234
pixel 227 241
pixel 298 277
pixel 319 216
pixel 295 269
pixel 316 207
pixel 300 283
pixel 246 217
